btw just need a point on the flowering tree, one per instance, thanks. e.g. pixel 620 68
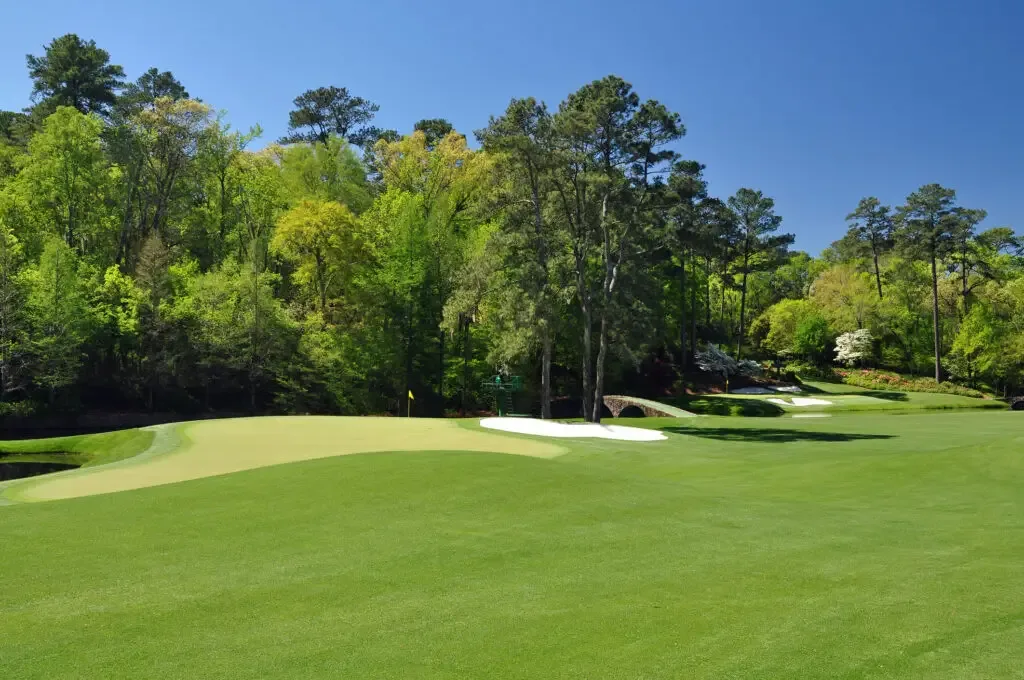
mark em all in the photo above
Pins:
pixel 714 360
pixel 854 346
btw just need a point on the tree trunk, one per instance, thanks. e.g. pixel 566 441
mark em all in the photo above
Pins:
pixel 743 309
pixel 467 353
pixel 682 312
pixel 587 367
pixel 707 296
pixel 693 323
pixel 965 290
pixel 878 276
pixel 602 352
pixel 545 373
pixel 935 321
pixel 440 372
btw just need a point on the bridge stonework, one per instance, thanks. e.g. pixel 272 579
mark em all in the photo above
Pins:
pixel 616 403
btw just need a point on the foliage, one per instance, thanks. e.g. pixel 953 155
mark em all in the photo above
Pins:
pixel 885 380
pixel 328 111
pixel 74 72
pixel 152 257
pixel 854 346
pixel 813 339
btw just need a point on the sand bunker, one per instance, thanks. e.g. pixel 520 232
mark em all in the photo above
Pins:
pixel 550 428
pixel 811 415
pixel 801 401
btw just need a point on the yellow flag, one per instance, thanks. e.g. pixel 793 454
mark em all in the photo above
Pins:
pixel 410 395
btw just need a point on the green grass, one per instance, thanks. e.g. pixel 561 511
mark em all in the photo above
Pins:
pixel 860 546
pixel 726 405
pixel 844 398
pixel 86 450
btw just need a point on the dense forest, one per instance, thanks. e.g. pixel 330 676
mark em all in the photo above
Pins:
pixel 154 258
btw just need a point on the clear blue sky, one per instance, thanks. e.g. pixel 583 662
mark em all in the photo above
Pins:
pixel 816 103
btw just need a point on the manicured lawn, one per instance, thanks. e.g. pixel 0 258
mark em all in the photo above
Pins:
pixel 858 546
pixel 844 398
pixel 85 450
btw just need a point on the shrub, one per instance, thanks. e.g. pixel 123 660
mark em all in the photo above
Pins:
pixel 802 369
pixel 884 380
pixel 16 409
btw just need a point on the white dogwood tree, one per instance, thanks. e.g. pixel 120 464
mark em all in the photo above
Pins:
pixel 854 346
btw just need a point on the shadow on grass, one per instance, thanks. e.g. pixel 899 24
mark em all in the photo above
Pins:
pixel 771 435
pixel 723 406
pixel 888 396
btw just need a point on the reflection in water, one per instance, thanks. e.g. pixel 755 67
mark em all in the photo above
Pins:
pixel 19 470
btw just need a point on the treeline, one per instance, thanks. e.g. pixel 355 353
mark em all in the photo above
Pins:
pixel 923 289
pixel 153 257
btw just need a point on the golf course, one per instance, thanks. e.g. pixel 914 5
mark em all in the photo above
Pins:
pixel 862 545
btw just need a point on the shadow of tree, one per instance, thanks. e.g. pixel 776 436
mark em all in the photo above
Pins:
pixel 724 406
pixel 888 396
pixel 772 435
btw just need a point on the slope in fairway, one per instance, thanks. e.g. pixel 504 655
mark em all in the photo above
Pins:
pixel 215 447
pixel 861 546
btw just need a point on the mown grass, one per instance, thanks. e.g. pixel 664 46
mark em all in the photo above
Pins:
pixel 860 546
pixel 85 450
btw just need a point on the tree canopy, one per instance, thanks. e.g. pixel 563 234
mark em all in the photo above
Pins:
pixel 152 257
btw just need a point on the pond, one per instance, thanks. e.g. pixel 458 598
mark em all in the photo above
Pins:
pixel 19 470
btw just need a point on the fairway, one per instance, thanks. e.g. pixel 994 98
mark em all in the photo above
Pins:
pixel 860 546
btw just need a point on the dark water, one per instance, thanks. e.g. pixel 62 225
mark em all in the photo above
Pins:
pixel 19 470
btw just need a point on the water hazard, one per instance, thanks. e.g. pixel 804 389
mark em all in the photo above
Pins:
pixel 19 470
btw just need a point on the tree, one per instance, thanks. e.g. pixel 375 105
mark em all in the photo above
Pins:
pixel 982 257
pixel 67 180
pixel 331 171
pixel 59 317
pixel 612 153
pixel 167 140
pixel 14 347
pixel 687 188
pixel 776 327
pixel 760 248
pixel 926 223
pixel 147 88
pixel 845 296
pixel 854 346
pixel 714 360
pixel 813 339
pixel 521 139
pixel 872 230
pixel 322 238
pixel 73 72
pixel 436 194
pixel 327 111
pixel 434 129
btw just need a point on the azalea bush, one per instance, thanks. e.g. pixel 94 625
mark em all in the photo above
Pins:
pixel 884 380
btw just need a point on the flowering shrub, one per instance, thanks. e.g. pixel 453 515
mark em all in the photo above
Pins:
pixel 884 380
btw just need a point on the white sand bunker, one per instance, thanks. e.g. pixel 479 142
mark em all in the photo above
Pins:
pixel 550 428
pixel 801 401
pixel 811 415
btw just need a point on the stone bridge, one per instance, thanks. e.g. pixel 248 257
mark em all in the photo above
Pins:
pixel 616 403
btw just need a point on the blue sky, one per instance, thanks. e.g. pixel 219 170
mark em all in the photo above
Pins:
pixel 816 103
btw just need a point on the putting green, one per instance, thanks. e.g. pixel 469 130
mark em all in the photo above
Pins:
pixel 193 450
